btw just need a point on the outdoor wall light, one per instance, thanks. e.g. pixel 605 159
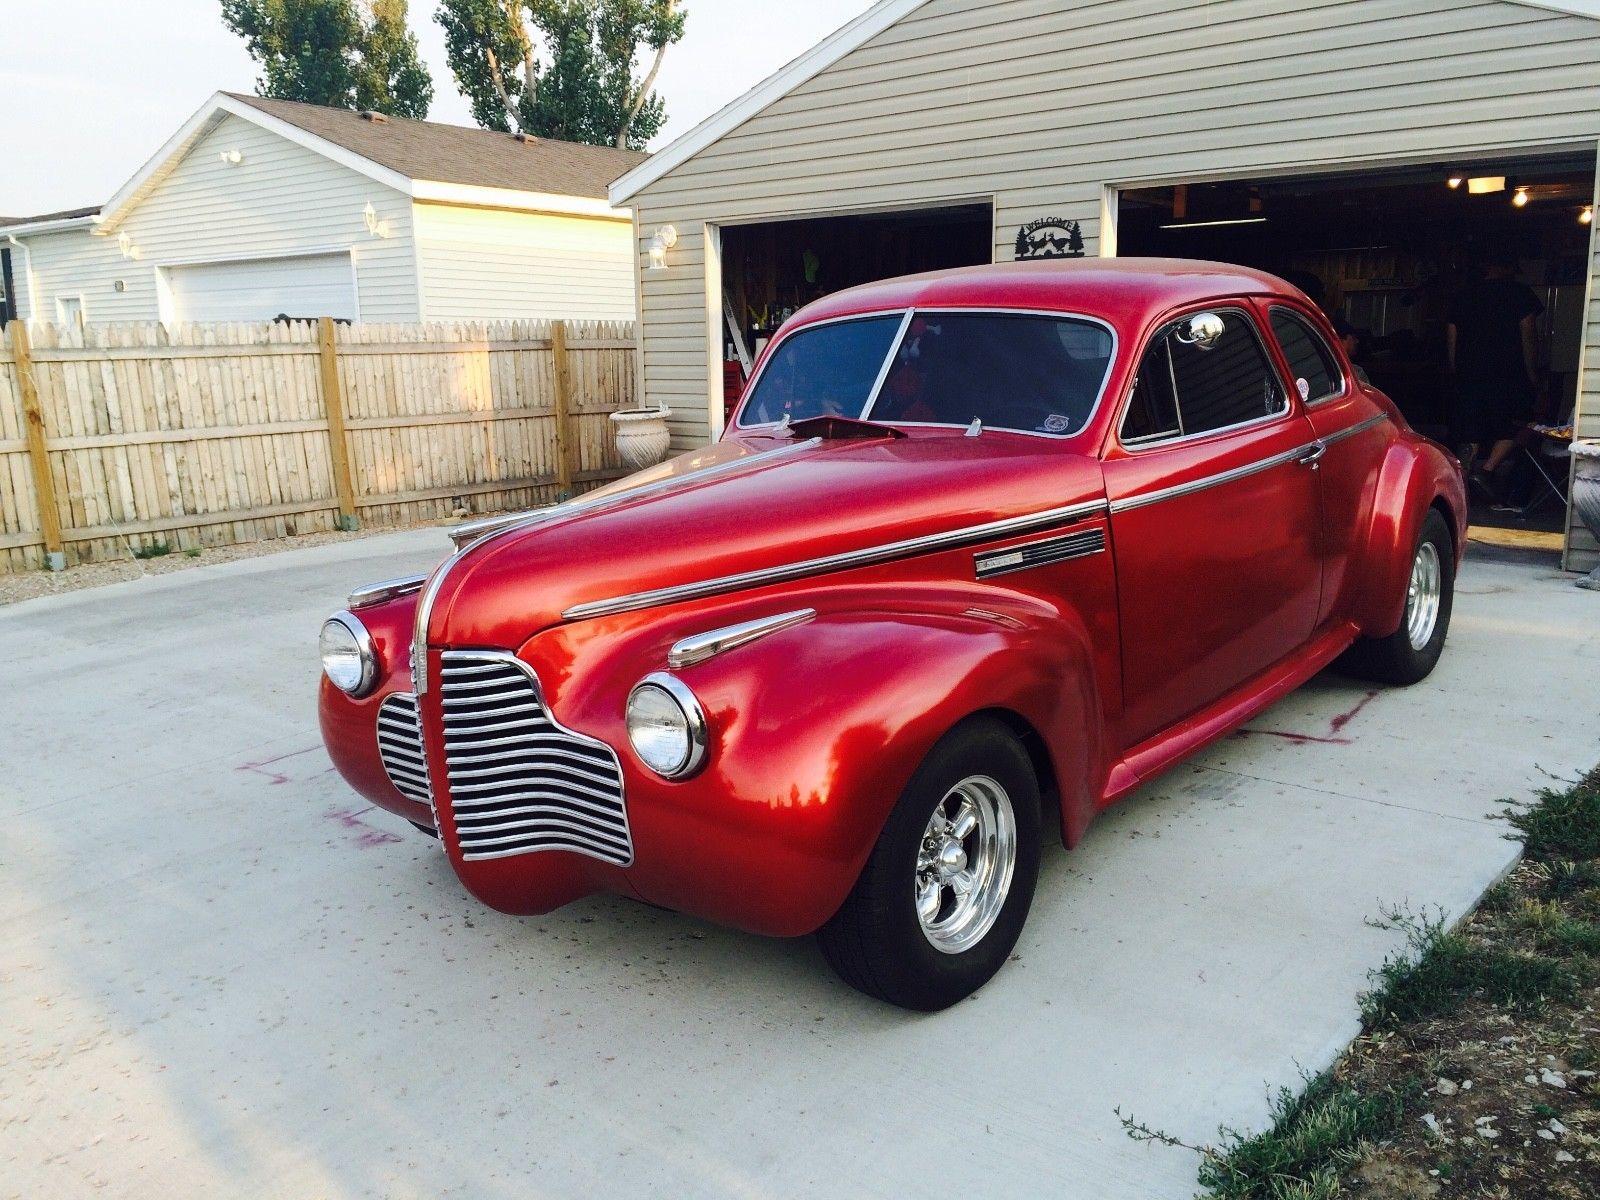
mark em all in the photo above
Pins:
pixel 665 239
pixel 377 226
pixel 231 157
pixel 126 246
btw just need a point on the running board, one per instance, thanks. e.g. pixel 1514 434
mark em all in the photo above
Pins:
pixel 1198 730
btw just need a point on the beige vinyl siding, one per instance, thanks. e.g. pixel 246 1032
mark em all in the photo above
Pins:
pixel 1043 105
pixel 281 199
pixel 486 263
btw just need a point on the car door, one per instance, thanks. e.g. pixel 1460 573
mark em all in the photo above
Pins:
pixel 1353 427
pixel 1214 517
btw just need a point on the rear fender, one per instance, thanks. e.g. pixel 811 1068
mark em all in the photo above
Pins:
pixel 1415 477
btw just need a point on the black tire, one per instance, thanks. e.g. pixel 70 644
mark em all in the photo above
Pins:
pixel 876 941
pixel 1394 659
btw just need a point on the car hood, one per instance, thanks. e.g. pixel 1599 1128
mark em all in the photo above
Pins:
pixel 747 505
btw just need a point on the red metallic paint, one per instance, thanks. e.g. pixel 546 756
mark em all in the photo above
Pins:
pixel 1203 610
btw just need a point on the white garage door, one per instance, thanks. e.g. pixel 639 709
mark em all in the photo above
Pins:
pixel 314 285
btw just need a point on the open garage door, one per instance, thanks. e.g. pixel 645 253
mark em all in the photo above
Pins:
pixel 263 289
pixel 773 269
pixel 1391 255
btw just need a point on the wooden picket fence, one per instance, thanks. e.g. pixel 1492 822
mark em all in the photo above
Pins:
pixel 117 438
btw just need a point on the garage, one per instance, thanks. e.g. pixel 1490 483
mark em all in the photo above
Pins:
pixel 1390 255
pixel 772 269
pixel 1320 139
pixel 261 289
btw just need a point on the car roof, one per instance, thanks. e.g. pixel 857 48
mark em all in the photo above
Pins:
pixel 1124 291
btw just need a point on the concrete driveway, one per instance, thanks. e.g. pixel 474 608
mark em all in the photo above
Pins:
pixel 221 974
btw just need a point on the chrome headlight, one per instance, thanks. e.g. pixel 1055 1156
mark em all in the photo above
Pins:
pixel 348 658
pixel 667 726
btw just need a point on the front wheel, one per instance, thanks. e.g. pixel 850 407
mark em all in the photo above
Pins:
pixel 944 894
pixel 1409 654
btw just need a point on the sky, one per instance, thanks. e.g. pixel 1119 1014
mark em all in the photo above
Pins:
pixel 92 88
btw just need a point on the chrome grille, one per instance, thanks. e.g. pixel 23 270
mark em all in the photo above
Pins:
pixel 519 782
pixel 400 746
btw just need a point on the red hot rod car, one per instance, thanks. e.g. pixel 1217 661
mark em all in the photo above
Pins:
pixel 978 547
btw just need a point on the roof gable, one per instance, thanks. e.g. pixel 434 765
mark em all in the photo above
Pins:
pixel 824 55
pixel 422 159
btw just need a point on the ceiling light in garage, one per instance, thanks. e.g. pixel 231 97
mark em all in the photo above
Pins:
pixel 1521 198
pixel 1215 224
pixel 1455 181
pixel 1586 217
pixel 1486 185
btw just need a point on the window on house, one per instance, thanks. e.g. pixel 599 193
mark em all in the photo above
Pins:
pixel 1309 356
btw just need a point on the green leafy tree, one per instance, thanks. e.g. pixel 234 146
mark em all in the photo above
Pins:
pixel 340 53
pixel 563 68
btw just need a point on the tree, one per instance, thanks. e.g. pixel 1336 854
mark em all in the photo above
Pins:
pixel 563 68
pixel 339 53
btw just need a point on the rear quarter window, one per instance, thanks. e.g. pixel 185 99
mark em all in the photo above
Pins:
pixel 1308 355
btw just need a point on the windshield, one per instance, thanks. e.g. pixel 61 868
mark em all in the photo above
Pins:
pixel 1017 371
pixel 827 371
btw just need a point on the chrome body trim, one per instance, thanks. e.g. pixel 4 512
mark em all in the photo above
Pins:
pixel 364 648
pixel 1310 454
pixel 1211 481
pixel 887 552
pixel 464 535
pixel 1042 553
pixel 702 647
pixel 1359 427
pixel 694 714
pixel 388 589
pixel 430 593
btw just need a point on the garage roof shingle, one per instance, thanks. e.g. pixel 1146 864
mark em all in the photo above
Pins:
pixel 456 154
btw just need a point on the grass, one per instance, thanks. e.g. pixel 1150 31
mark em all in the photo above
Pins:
pixel 1532 946
pixel 1314 1137
pixel 1561 826
pixel 1439 972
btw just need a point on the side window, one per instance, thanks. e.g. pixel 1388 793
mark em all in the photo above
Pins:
pixel 1308 355
pixel 1185 388
pixel 1153 409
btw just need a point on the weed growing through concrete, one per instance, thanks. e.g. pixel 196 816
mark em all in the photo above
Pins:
pixel 153 550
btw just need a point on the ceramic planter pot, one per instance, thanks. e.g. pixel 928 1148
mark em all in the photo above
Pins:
pixel 1586 496
pixel 642 436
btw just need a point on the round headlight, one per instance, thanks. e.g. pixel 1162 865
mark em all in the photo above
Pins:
pixel 667 726
pixel 348 658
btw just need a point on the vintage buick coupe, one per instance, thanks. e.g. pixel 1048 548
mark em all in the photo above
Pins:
pixel 981 550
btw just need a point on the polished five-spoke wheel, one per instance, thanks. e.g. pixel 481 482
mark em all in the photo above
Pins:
pixel 944 894
pixel 964 866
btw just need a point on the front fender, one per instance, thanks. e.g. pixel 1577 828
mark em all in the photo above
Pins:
pixel 816 730
pixel 1416 475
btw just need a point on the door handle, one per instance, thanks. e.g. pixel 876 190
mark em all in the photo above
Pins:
pixel 1313 455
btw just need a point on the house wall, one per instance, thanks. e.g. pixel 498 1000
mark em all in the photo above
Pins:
pixel 1044 104
pixel 488 263
pixel 281 199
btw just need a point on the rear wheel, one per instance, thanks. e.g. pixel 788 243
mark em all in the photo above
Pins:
pixel 1409 654
pixel 946 890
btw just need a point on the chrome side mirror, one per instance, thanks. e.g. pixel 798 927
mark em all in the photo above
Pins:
pixel 1202 331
